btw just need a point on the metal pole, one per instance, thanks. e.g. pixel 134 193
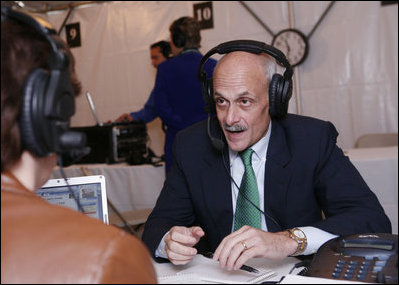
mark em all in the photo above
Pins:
pixel 65 20
pixel 296 80
pixel 257 18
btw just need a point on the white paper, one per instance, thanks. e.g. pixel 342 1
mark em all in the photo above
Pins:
pixel 205 270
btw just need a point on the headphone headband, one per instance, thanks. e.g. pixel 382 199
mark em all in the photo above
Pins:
pixel 251 46
pixel 57 60
pixel 280 86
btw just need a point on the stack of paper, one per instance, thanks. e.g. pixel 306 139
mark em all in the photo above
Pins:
pixel 206 270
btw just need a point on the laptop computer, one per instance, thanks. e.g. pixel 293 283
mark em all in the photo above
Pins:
pixel 89 190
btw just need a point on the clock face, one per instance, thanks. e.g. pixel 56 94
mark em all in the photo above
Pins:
pixel 293 44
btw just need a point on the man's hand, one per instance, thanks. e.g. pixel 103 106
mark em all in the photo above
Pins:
pixel 179 244
pixel 124 118
pixel 236 248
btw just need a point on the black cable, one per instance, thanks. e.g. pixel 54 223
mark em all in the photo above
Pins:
pixel 246 198
pixel 120 216
pixel 125 223
pixel 305 263
pixel 80 208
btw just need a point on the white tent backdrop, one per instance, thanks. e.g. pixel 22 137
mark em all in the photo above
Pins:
pixel 349 78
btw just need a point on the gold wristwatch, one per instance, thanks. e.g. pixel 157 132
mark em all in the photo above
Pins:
pixel 299 236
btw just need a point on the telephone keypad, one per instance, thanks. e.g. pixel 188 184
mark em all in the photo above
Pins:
pixel 364 257
pixel 353 268
pixel 358 269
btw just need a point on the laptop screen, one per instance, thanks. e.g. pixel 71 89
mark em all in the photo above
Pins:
pixel 89 190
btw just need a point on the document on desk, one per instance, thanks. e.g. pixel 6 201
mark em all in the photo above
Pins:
pixel 208 271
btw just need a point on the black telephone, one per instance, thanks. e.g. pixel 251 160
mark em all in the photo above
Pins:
pixel 366 257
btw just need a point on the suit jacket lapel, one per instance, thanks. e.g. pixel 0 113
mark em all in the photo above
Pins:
pixel 276 177
pixel 217 191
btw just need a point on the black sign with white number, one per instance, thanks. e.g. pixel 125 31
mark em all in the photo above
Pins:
pixel 73 34
pixel 203 13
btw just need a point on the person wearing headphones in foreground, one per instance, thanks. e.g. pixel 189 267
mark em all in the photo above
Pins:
pixel 41 242
pixel 254 181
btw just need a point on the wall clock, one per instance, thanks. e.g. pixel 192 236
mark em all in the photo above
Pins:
pixel 293 43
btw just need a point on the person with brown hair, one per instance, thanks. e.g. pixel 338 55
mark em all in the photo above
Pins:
pixel 41 242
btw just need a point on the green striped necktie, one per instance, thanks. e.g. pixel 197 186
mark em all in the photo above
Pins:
pixel 246 213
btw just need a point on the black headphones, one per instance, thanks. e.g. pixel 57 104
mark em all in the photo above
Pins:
pixel 178 37
pixel 48 100
pixel 280 87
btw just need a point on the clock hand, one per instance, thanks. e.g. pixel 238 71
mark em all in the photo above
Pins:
pixel 288 47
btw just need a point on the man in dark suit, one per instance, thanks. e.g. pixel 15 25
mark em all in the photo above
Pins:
pixel 301 175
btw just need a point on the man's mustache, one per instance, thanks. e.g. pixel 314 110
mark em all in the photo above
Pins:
pixel 234 128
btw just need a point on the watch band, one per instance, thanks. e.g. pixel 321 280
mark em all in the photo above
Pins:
pixel 300 239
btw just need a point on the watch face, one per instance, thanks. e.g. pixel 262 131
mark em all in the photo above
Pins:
pixel 299 233
pixel 293 44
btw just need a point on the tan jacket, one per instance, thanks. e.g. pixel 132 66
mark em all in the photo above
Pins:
pixel 43 243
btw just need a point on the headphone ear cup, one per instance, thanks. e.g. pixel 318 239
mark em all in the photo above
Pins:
pixel 31 128
pixel 286 96
pixel 211 101
pixel 280 91
pixel 47 97
pixel 207 93
pixel 274 96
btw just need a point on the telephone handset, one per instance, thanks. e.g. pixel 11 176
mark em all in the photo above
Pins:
pixel 366 257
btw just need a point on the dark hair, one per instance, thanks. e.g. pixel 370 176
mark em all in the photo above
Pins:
pixel 185 33
pixel 164 47
pixel 22 50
